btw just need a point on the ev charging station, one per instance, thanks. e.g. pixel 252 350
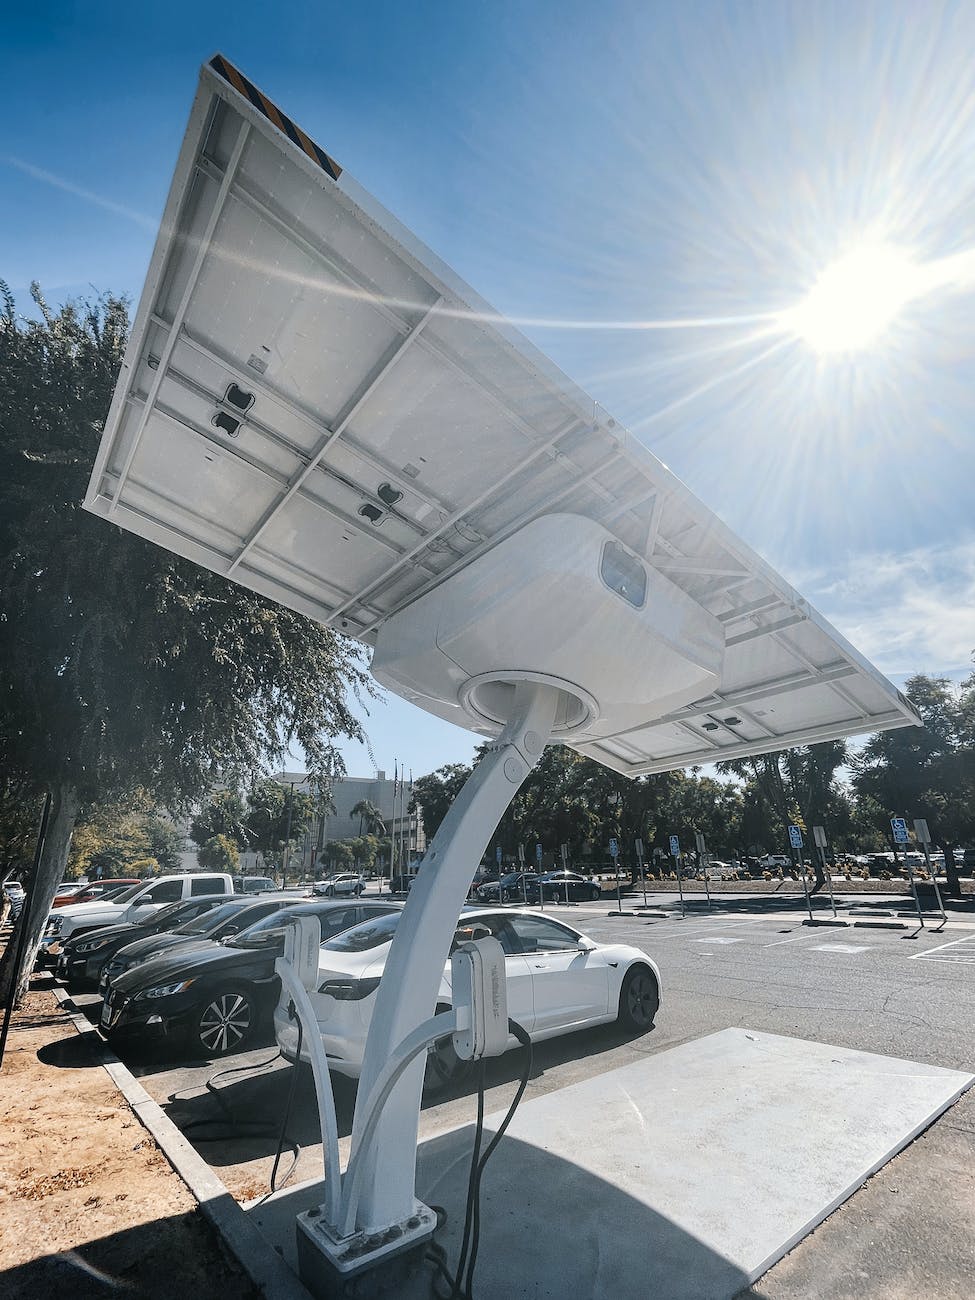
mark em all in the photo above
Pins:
pixel 314 406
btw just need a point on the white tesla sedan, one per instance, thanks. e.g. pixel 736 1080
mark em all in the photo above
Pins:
pixel 558 981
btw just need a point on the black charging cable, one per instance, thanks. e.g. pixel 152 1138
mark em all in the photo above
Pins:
pixel 461 1284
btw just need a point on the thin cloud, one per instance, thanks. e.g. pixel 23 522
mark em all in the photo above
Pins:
pixel 908 613
pixel 79 192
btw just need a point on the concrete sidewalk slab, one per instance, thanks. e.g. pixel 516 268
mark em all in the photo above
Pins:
pixel 686 1175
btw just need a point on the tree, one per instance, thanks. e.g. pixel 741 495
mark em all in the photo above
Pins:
pixel 278 817
pixel 794 787
pixel 123 666
pixel 20 814
pixel 434 794
pixel 370 817
pixel 225 814
pixel 219 853
pixel 926 771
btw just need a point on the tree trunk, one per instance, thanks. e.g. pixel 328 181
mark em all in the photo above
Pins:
pixel 50 870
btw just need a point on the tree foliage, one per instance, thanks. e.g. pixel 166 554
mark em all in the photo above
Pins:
pixel 219 853
pixel 925 772
pixel 123 666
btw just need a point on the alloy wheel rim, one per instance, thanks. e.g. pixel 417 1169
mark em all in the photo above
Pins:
pixel 225 1022
pixel 640 999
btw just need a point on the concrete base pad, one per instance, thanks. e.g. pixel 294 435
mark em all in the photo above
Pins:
pixel 683 1176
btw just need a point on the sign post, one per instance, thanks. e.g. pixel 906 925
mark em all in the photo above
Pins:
pixel 675 854
pixel 702 858
pixel 638 845
pixel 538 869
pixel 898 827
pixel 795 839
pixel 524 883
pixel 564 850
pixel 819 836
pixel 614 853
pixel 923 836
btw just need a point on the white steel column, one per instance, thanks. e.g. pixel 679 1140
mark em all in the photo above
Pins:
pixel 420 948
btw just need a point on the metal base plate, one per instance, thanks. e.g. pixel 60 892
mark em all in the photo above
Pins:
pixel 363 1266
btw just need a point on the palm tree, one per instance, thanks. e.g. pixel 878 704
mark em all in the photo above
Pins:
pixel 370 817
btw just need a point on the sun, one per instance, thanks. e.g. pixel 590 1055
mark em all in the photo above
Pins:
pixel 855 299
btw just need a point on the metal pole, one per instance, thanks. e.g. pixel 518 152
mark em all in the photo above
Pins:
pixel 934 881
pixel 917 901
pixel 643 872
pixel 707 886
pixel 23 919
pixel 565 867
pixel 680 884
pixel 805 883
pixel 829 876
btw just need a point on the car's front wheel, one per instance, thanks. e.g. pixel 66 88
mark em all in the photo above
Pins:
pixel 224 1023
pixel 639 999
pixel 595 894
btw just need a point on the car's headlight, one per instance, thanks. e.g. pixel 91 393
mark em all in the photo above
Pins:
pixel 54 925
pixel 349 990
pixel 91 945
pixel 165 990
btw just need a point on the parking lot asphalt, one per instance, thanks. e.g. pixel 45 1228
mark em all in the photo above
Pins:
pixel 750 962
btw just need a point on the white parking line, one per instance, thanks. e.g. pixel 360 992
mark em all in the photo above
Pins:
pixel 839 947
pixel 797 939
pixel 963 957
pixel 718 939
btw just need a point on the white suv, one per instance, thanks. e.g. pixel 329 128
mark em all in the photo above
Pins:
pixel 132 904
pixel 347 883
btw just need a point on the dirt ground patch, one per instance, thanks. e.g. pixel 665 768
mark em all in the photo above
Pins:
pixel 89 1205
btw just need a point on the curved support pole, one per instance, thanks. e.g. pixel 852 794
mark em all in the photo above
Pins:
pixel 425 1034
pixel 323 1085
pixel 414 968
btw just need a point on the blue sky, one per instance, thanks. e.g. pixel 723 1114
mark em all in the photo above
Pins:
pixel 594 171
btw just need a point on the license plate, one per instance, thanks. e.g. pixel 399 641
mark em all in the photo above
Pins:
pixel 106 1015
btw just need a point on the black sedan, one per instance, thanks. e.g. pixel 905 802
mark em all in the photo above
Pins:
pixel 82 958
pixel 224 922
pixel 516 887
pixel 217 998
pixel 562 887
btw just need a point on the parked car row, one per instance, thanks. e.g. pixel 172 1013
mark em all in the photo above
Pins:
pixel 198 974
pixel 530 887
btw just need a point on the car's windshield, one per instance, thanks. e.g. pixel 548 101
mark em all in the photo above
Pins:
pixel 271 921
pixel 370 934
pixel 208 921
pixel 131 892
pixel 162 920
pixel 102 893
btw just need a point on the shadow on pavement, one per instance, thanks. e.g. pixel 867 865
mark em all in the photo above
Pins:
pixel 237 1117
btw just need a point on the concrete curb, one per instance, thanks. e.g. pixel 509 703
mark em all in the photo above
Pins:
pixel 259 1260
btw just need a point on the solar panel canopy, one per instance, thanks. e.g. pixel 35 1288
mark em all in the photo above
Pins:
pixel 313 405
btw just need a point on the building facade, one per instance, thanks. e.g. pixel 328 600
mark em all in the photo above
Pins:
pixel 389 796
